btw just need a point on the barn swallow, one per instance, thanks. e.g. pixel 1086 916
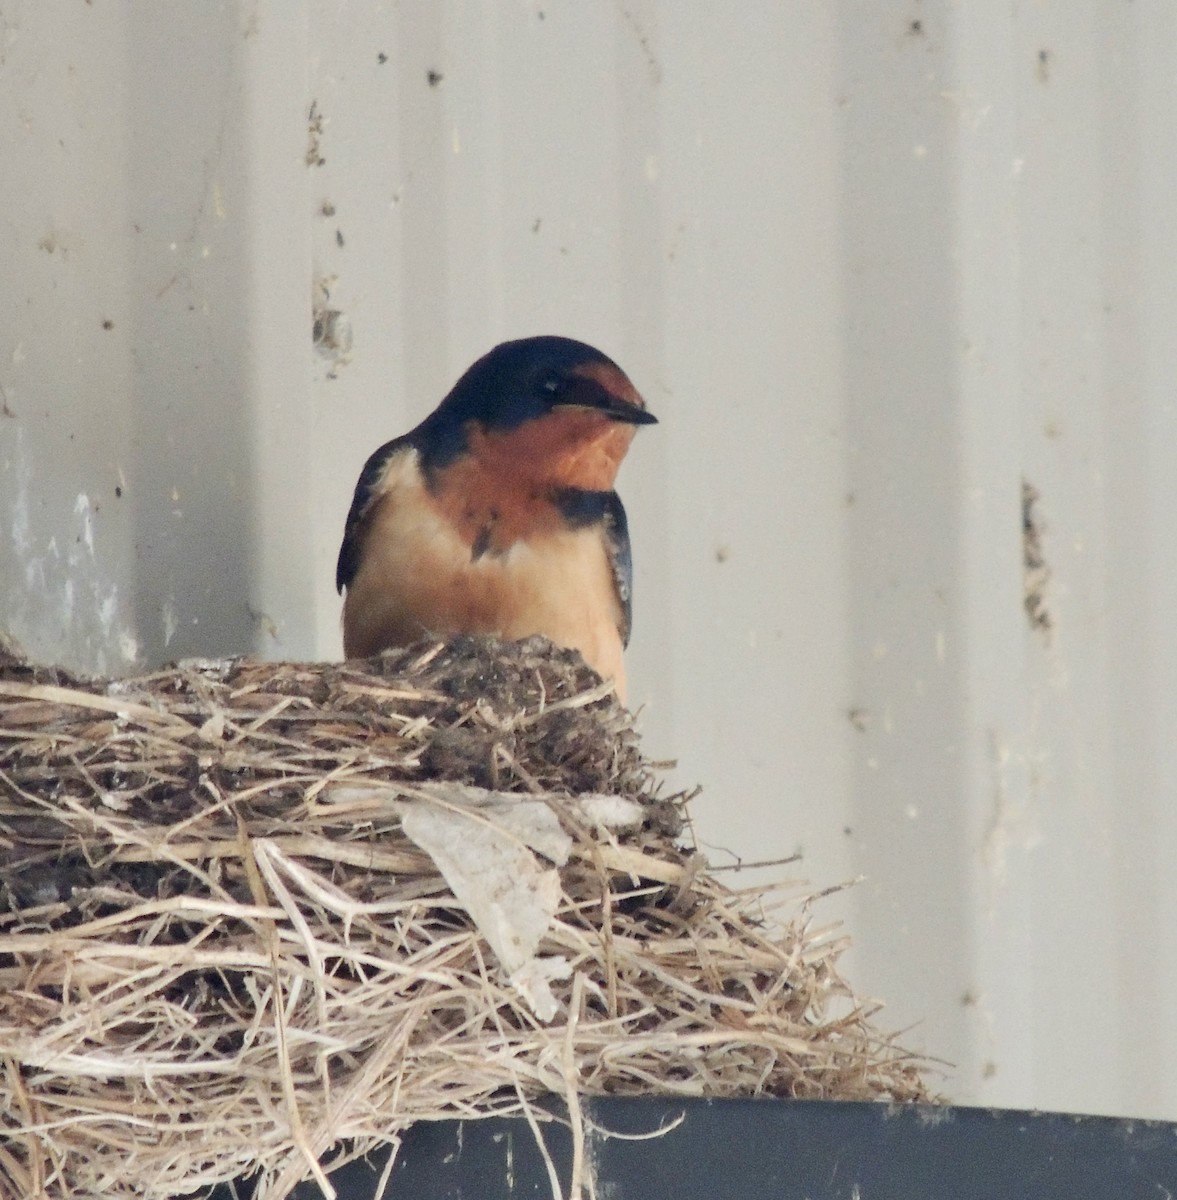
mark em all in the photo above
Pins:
pixel 497 513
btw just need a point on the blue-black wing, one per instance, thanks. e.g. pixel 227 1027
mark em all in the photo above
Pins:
pixel 620 559
pixel 604 510
pixel 361 503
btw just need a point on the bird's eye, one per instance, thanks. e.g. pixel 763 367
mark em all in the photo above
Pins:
pixel 551 384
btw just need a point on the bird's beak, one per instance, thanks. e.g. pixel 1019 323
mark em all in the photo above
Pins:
pixel 607 391
pixel 636 416
pixel 619 410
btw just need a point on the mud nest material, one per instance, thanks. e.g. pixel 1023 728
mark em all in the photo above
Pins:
pixel 248 910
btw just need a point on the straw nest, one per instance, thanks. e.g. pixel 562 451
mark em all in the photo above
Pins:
pixel 248 910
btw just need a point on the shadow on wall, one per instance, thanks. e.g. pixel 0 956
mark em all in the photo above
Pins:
pixel 904 419
pixel 188 331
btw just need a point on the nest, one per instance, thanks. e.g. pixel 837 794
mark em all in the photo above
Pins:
pixel 249 912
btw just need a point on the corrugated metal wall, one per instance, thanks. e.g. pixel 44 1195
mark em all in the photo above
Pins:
pixel 875 266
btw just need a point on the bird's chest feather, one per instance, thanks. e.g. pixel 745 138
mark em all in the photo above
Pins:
pixel 480 559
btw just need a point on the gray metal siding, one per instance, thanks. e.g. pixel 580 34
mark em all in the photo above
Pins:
pixel 873 266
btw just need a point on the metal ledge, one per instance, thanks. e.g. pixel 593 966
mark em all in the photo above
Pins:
pixel 783 1150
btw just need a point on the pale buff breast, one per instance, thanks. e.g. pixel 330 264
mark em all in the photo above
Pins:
pixel 417 577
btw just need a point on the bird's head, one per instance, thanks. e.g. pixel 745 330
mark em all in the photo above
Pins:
pixel 547 409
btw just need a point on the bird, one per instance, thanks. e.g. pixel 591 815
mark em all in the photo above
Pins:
pixel 497 513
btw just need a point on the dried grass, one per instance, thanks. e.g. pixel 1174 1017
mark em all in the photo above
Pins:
pixel 221 951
